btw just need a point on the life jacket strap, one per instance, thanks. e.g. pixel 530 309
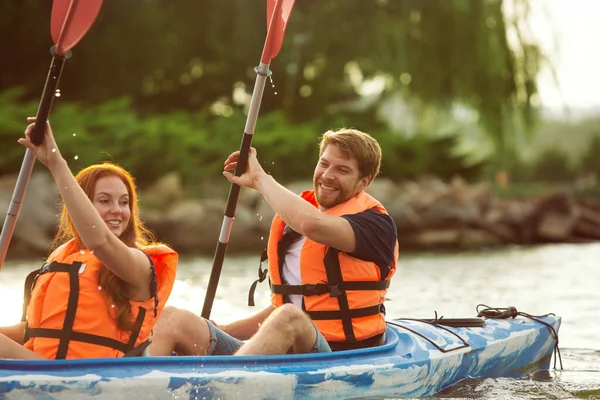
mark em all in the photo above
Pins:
pixel 346 314
pixel 334 290
pixel 262 275
pixel 127 349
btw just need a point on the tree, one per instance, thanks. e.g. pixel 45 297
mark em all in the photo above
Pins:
pixel 193 55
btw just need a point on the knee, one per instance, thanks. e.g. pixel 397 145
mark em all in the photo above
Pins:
pixel 288 316
pixel 172 321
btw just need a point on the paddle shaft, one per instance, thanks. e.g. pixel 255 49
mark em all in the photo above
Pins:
pixel 262 72
pixel 37 137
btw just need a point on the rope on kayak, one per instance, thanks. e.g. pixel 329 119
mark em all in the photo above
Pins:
pixel 511 312
pixel 434 322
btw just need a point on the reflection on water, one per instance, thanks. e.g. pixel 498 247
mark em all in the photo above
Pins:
pixel 562 279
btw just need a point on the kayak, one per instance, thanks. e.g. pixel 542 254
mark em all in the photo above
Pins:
pixel 419 358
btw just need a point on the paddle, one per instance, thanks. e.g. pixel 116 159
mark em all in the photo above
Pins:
pixel 70 21
pixel 278 13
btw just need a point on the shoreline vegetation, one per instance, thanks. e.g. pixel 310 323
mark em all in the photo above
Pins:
pixel 430 214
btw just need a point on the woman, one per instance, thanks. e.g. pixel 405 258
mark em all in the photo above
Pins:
pixel 100 293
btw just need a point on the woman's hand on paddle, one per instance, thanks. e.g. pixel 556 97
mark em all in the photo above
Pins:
pixel 47 152
pixel 253 172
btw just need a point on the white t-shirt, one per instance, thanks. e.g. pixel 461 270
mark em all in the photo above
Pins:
pixel 291 269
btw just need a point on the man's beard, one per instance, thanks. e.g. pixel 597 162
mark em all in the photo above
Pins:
pixel 330 200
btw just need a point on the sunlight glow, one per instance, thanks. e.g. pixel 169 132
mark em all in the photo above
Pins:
pixel 567 32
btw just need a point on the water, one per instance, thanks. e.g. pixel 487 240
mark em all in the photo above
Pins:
pixel 562 279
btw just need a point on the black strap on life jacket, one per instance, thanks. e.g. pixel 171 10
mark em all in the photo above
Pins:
pixel 334 290
pixel 345 314
pixel 262 275
pixel 66 334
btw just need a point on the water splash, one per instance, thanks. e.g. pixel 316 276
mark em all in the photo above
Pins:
pixel 272 84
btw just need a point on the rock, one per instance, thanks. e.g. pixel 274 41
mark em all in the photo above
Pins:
pixel 163 193
pixel 38 215
pixel 383 190
pixel 556 226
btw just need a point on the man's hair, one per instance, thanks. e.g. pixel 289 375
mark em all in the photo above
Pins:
pixel 357 144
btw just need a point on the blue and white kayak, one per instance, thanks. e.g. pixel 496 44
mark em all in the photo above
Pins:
pixel 418 359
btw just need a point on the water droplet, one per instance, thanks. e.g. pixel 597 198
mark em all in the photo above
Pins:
pixel 273 162
pixel 76 157
pixel 93 226
pixel 82 251
pixel 91 251
pixel 57 93
pixel 99 287
pixel 262 238
pixel 275 93
pixel 112 306
pixel 54 150
pixel 74 134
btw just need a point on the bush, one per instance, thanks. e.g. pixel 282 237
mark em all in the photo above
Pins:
pixel 196 144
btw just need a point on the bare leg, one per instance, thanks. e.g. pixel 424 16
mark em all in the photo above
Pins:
pixel 11 349
pixel 180 331
pixel 288 329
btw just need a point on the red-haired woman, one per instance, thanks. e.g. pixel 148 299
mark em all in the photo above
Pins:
pixel 100 293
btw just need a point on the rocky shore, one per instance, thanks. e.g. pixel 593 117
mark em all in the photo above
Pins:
pixel 430 215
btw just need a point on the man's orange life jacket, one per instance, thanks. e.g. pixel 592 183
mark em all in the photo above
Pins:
pixel 68 315
pixel 343 295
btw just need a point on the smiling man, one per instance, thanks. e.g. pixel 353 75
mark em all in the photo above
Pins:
pixel 332 252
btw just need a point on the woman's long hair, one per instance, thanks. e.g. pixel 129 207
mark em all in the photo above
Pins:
pixel 135 235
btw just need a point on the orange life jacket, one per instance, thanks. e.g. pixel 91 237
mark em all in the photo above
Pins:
pixel 68 315
pixel 343 295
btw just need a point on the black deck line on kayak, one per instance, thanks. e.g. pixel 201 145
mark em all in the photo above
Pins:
pixel 512 312
pixel 465 344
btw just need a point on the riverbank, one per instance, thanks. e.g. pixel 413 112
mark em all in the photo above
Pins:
pixel 430 215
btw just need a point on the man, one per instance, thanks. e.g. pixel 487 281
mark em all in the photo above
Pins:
pixel 332 252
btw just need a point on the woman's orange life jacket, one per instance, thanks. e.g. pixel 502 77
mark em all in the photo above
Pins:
pixel 68 315
pixel 343 295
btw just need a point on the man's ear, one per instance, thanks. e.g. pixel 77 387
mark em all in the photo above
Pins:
pixel 364 182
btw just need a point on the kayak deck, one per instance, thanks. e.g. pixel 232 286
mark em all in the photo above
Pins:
pixel 418 359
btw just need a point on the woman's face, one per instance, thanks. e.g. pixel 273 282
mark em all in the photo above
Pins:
pixel 111 199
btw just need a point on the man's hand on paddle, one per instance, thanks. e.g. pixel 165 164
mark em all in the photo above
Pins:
pixel 253 173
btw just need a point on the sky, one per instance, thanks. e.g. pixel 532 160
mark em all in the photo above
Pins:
pixel 569 33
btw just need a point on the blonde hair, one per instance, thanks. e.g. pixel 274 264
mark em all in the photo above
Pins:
pixel 360 145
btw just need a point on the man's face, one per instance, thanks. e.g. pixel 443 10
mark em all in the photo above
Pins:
pixel 336 178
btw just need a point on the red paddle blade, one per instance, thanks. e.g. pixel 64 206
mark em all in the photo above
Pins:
pixel 278 13
pixel 70 21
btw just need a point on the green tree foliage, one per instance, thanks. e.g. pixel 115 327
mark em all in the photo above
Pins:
pixel 552 166
pixel 195 145
pixel 590 162
pixel 189 55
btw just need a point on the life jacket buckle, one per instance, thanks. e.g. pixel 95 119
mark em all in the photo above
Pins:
pixel 334 290
pixel 310 290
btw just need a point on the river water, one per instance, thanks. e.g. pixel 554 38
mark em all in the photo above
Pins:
pixel 562 279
